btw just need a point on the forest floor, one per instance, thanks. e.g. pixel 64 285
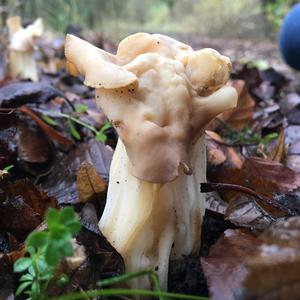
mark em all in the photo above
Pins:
pixel 56 147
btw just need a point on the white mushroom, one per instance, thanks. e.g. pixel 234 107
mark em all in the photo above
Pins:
pixel 21 47
pixel 160 95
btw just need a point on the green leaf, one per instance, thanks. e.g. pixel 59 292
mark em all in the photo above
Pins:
pixel 67 214
pixel 73 130
pixel 26 277
pixel 63 279
pixel 52 255
pixel 74 227
pixel 31 271
pixel 31 250
pixel 101 137
pixel 81 108
pixel 22 287
pixel 68 249
pixel 105 126
pixel 22 264
pixel 49 120
pixel 42 266
pixel 52 217
pixel 37 239
pixel 36 291
pixel 8 168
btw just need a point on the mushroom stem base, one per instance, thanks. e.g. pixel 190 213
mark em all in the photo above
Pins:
pixel 149 223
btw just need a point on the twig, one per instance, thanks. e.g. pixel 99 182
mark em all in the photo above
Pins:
pixel 217 186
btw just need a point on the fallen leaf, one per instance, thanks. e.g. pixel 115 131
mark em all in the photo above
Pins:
pixel 89 183
pixel 8 130
pixel 277 152
pixel 261 175
pixel 274 271
pixel 219 155
pixel 292 134
pixel 274 77
pixel 225 267
pixel 275 172
pixel 288 102
pixel 24 207
pixel 49 131
pixel 242 115
pixel 33 146
pixel 265 91
pixel 61 183
pixel 17 94
pixel 244 211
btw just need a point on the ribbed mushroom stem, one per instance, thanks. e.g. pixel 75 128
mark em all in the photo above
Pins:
pixel 148 222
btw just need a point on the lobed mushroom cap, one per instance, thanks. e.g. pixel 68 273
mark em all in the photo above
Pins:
pixel 158 93
pixel 22 39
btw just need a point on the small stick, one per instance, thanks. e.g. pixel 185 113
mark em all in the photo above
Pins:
pixel 206 187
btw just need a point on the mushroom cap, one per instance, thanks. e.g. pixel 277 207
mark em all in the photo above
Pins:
pixel 100 69
pixel 22 39
pixel 159 94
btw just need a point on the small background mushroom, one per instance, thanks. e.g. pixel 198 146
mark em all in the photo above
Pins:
pixel 22 63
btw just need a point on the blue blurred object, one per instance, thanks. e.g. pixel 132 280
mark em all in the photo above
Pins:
pixel 289 38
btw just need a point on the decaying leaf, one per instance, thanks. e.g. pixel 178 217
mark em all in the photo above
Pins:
pixel 8 130
pixel 61 183
pixel 16 94
pixel 49 131
pixel 277 152
pixel 220 157
pixel 225 267
pixel 24 207
pixel 33 145
pixel 275 172
pixel 274 271
pixel 242 115
pixel 263 176
pixel 89 183
pixel 244 211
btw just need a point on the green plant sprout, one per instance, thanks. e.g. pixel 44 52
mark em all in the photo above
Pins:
pixel 81 108
pixel 45 251
pixel 99 134
pixel 245 136
pixel 8 168
pixel 47 248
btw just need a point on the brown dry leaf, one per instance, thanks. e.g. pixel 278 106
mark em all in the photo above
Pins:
pixel 284 178
pixel 8 259
pixel 242 115
pixel 89 183
pixel 61 183
pixel 244 211
pixel 49 131
pixel 33 145
pixel 278 151
pixel 274 272
pixel 263 176
pixel 220 155
pixel 225 267
pixel 24 207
